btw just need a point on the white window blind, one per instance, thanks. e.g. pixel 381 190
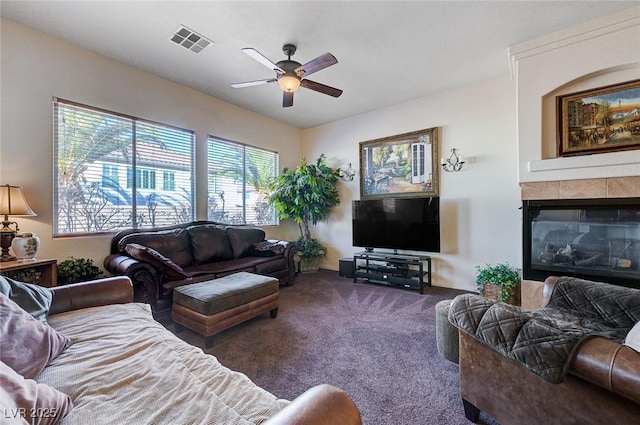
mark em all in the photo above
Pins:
pixel 109 171
pixel 237 183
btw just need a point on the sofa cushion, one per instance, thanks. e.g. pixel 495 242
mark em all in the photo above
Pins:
pixel 33 299
pixel 243 238
pixel 173 244
pixel 157 260
pixel 209 243
pixel 28 345
pixel 266 249
pixel 29 400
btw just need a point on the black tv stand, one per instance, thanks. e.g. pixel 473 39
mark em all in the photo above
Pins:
pixel 393 269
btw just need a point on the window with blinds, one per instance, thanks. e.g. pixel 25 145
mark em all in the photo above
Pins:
pixel 115 172
pixel 237 183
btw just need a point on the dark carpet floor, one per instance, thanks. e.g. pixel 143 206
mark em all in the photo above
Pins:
pixel 376 342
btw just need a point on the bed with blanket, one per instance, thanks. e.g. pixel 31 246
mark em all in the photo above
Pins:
pixel 121 366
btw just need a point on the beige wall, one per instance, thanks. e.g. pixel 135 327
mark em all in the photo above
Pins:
pixel 37 67
pixel 480 220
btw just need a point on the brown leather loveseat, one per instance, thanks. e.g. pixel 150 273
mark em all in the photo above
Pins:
pixel 163 258
pixel 598 384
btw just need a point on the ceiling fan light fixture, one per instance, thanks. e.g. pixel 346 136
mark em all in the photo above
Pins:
pixel 289 83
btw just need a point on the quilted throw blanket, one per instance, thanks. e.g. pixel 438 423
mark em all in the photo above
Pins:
pixel 545 340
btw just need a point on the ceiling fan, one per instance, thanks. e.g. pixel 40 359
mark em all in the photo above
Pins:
pixel 291 74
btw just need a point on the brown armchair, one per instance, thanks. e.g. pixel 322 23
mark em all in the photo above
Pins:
pixel 601 385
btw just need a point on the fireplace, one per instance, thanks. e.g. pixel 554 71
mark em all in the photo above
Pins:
pixel 595 239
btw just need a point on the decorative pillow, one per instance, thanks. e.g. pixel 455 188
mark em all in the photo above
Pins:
pixel 28 345
pixel 26 401
pixel 157 260
pixel 243 238
pixel 34 299
pixel 633 338
pixel 266 249
pixel 174 244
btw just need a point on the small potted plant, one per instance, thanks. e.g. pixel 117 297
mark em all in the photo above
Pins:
pixel 499 282
pixel 73 270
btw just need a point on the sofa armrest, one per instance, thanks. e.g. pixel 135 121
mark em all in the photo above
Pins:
pixel 111 290
pixel 290 250
pixel 609 365
pixel 140 273
pixel 320 405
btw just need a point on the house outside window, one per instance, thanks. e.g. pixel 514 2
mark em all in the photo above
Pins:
pixel 168 180
pixel 145 179
pixel 110 176
pixel 237 183
pixel 106 167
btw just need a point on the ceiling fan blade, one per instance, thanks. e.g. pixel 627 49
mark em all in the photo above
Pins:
pixel 287 99
pixel 262 59
pixel 315 65
pixel 331 91
pixel 253 83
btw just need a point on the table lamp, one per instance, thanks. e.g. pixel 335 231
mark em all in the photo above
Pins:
pixel 12 202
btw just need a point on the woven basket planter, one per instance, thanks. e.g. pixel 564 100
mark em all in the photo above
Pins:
pixel 492 292
pixel 310 265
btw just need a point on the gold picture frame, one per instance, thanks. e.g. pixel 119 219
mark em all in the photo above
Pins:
pixel 403 165
pixel 604 119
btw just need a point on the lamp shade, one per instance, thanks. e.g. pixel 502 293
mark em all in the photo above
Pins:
pixel 13 202
pixel 289 83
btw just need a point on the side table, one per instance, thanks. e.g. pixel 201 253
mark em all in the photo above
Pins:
pixel 40 272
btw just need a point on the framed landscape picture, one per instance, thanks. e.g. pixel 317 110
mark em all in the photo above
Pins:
pixel 401 165
pixel 604 119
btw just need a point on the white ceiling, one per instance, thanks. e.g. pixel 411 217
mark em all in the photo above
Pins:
pixel 388 52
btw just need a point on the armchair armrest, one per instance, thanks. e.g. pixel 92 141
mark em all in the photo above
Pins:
pixel 320 405
pixel 609 365
pixel 111 290
pixel 547 290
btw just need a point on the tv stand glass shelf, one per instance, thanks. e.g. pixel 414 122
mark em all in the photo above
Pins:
pixel 393 269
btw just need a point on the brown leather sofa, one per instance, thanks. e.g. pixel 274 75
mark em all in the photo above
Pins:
pixel 320 405
pixel 163 258
pixel 602 385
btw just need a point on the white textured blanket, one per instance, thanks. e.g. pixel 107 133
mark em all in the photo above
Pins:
pixel 124 367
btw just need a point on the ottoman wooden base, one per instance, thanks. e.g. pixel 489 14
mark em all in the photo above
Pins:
pixel 210 324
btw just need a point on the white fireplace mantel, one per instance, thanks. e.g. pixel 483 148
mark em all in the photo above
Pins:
pixel 598 53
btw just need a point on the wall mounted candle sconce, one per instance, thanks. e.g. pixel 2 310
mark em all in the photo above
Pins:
pixel 453 163
pixel 348 174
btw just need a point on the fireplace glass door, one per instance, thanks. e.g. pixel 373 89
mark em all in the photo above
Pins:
pixel 592 239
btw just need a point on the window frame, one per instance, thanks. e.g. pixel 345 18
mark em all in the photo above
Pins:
pixel 243 195
pixel 137 124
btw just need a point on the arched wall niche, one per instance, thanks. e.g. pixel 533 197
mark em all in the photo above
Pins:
pixel 601 78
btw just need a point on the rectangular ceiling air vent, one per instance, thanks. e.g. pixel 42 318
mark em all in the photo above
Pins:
pixel 190 39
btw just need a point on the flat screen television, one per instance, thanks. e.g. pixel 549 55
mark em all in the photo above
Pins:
pixel 397 223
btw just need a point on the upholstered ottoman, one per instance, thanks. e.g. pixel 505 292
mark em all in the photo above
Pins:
pixel 446 333
pixel 215 305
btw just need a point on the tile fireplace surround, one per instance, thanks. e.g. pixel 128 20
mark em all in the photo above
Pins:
pixel 614 187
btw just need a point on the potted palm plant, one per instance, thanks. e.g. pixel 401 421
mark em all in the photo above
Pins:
pixel 306 194
pixel 499 282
